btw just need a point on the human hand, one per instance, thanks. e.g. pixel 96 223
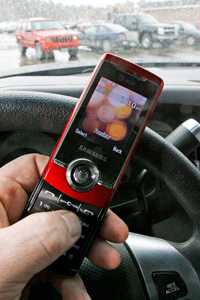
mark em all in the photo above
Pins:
pixel 30 245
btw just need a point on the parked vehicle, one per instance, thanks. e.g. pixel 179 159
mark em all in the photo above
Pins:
pixel 106 37
pixel 188 34
pixel 8 27
pixel 11 27
pixel 149 30
pixel 46 35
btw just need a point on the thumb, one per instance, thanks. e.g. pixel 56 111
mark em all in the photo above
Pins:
pixel 32 244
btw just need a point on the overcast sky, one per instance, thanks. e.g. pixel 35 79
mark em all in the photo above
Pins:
pixel 96 2
pixel 90 2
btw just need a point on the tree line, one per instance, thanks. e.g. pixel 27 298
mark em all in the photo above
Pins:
pixel 13 10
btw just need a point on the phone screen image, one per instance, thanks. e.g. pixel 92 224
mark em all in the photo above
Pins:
pixel 111 115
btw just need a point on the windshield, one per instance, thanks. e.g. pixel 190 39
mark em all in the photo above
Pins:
pixel 46 25
pixel 69 34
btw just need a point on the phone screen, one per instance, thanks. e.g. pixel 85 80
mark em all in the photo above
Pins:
pixel 111 115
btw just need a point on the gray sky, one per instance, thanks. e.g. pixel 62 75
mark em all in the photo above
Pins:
pixel 91 2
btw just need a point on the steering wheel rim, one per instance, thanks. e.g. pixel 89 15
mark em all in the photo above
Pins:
pixel 49 113
pixel 174 169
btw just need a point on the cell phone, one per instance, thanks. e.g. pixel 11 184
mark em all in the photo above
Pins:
pixel 95 149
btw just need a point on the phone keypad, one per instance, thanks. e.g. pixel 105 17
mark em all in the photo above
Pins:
pixel 51 199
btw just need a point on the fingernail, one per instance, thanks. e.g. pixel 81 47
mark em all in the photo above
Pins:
pixel 73 223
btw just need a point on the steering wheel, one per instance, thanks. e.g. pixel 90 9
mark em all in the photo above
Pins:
pixel 151 268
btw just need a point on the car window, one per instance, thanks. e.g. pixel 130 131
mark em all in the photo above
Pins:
pixel 130 20
pixel 116 27
pixel 18 26
pixel 121 20
pixel 91 30
pixel 28 27
pixel 46 25
pixel 103 29
pixel 23 28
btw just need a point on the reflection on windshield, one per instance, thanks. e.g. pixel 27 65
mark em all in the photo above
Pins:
pixel 46 25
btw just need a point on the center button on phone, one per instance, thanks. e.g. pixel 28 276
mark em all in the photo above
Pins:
pixel 82 175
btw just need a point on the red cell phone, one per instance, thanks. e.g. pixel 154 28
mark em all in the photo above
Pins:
pixel 95 148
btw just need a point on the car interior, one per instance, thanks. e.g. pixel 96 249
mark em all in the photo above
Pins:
pixel 158 196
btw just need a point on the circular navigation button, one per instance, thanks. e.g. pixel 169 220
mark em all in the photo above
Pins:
pixel 82 175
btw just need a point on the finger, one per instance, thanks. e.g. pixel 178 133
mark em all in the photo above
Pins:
pixel 25 170
pixel 101 252
pixel 113 228
pixel 71 287
pixel 104 254
pixel 34 243
pixel 16 179
pixel 13 199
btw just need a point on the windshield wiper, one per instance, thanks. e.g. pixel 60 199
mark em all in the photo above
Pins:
pixel 168 64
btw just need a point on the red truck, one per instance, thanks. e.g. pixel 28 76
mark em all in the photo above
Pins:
pixel 46 35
